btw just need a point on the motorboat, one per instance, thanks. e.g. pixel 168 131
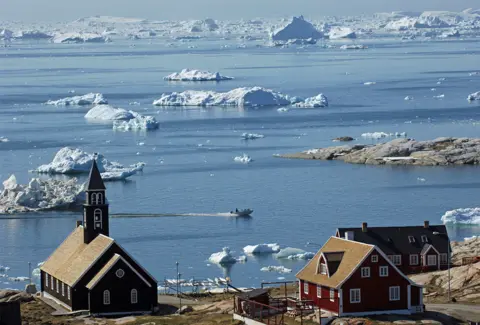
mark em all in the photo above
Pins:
pixel 241 212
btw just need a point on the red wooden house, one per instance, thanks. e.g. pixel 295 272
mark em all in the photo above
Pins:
pixel 351 278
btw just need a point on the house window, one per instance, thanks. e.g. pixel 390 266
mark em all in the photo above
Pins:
pixel 365 272
pixel 443 259
pixel 394 293
pixel 411 239
pixel 63 289
pixel 51 281
pixel 431 260
pixel 305 288
pixel 397 259
pixel 383 271
pixel 46 280
pixel 424 239
pixel 68 293
pixel 133 296
pixel 355 297
pixel 58 287
pixel 106 297
pixel 374 258
pixel 323 268
pixel 97 217
pixel 332 294
pixel 414 259
pixel 120 273
pixel 319 291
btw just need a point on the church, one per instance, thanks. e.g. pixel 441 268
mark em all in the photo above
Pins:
pixel 90 271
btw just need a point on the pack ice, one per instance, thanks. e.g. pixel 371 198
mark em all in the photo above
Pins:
pixel 196 75
pixel 298 28
pixel 40 195
pixel 462 216
pixel 88 99
pixel 123 120
pixel 76 161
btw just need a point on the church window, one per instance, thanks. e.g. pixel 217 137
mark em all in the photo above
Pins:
pixel 97 217
pixel 96 198
pixel 134 296
pixel 106 297
pixel 120 273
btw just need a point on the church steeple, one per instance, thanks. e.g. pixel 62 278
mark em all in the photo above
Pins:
pixel 95 209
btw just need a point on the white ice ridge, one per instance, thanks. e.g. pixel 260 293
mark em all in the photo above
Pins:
pixel 298 28
pixel 353 47
pixel 294 254
pixel 261 249
pixel 88 99
pixel 341 32
pixel 250 96
pixel 40 195
pixel 246 136
pixel 123 120
pixel 462 216
pixel 474 96
pixel 379 135
pixel 278 269
pixel 244 159
pixel 79 38
pixel 75 161
pixel 196 75
pixel 223 257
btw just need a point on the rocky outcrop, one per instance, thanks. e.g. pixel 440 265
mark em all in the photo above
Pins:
pixel 438 152
pixel 14 295
pixel 467 248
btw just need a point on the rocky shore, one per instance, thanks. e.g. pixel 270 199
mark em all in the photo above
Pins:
pixel 439 152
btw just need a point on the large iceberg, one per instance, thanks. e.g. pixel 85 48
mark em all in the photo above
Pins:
pixel 40 195
pixel 294 254
pixel 88 99
pixel 137 123
pixel 223 257
pixel 474 96
pixel 196 75
pixel 108 113
pixel 261 249
pixel 79 38
pixel 76 161
pixel 317 101
pixel 298 28
pixel 462 216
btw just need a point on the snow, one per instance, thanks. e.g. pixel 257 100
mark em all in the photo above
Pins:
pixel 79 38
pixel 294 254
pixel 88 99
pixel 278 269
pixel 40 195
pixel 298 28
pixel 223 257
pixel 244 159
pixel 196 75
pixel 462 216
pixel 252 136
pixel 341 33
pixel 317 101
pixel 108 113
pixel 353 47
pixel 75 161
pixel 261 249
pixel 474 96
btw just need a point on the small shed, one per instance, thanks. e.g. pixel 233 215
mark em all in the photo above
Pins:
pixel 243 300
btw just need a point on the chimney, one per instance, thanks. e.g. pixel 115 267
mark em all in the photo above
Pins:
pixel 364 227
pixel 426 224
pixel 79 223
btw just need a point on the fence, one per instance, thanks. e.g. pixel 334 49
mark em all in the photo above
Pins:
pixel 266 314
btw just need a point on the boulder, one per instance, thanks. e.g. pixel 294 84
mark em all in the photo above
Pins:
pixel 184 310
pixel 344 139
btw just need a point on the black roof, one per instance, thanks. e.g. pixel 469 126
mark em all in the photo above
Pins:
pixel 401 240
pixel 95 181
pixel 253 294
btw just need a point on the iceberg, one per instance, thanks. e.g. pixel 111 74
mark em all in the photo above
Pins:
pixel 88 99
pixel 341 33
pixel 40 195
pixel 223 257
pixel 108 113
pixel 244 159
pixel 261 249
pixel 196 75
pixel 3 139
pixel 75 161
pixel 294 254
pixel 298 28
pixel 137 123
pixel 252 136
pixel 469 216
pixel 353 47
pixel 312 102
pixel 31 35
pixel 379 135
pixel 79 38
pixel 6 34
pixel 474 96
pixel 278 269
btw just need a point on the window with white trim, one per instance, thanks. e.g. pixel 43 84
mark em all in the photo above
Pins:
pixel 319 291
pixel 97 218
pixel 332 294
pixel 394 293
pixel 106 297
pixel 63 289
pixel 443 259
pixel 133 296
pixel 46 280
pixel 323 268
pixel 305 288
pixel 96 198
pixel 58 289
pixel 424 239
pixel 431 260
pixel 397 259
pixel 414 259
pixel 68 293
pixel 365 272
pixel 51 282
pixel 374 258
pixel 383 271
pixel 120 273
pixel 355 296
pixel 411 239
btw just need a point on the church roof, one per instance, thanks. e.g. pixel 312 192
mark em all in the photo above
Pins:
pixel 95 181
pixel 73 258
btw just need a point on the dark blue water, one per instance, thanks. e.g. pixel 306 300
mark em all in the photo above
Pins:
pixel 190 165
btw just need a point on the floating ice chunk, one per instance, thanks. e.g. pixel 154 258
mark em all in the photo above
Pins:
pixel 353 47
pixel 36 273
pixel 6 34
pixel 475 73
pixel 261 249
pixel 298 28
pixel 31 35
pixel 471 238
pixel 420 179
pixel 474 96
pixel 252 136
pixel 196 75
pixel 294 254
pixel 341 32
pixel 375 135
pixel 369 83
pixel 223 257
pixel 79 38
pixel 408 98
pixel 282 109
pixel 439 96
pixel 138 122
pixel 19 279
pixel 241 259
pixel 108 113
pixel 317 101
pixel 462 216
pixel 4 269
pixel 278 269
pixel 88 99
pixel 244 159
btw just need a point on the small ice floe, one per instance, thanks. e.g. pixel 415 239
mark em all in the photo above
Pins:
pixel 108 113
pixel 4 269
pixel 223 257
pixel 261 249
pixel 244 159
pixel 474 96
pixel 252 136
pixel 476 73
pixel 19 279
pixel 420 179
pixel 196 75
pixel 353 47
pixel 439 96
pixel 433 89
pixel 408 98
pixel 88 99
pixel 3 139
pixel 471 238
pixel 312 102
pixel 241 259
pixel 379 135
pixel 278 269
pixel 79 38
pixel 462 216
pixel 442 79
pixel 282 109
pixel 294 254
pixel 369 83
pixel 134 103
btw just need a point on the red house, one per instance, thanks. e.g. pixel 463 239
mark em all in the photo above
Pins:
pixel 351 278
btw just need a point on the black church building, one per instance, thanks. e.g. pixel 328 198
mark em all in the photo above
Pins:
pixel 90 271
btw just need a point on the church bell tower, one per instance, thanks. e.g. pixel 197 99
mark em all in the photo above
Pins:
pixel 95 209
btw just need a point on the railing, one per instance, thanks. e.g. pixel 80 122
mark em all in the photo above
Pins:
pixel 266 314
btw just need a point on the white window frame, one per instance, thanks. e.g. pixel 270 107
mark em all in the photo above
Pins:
pixel 68 293
pixel 374 258
pixel 354 294
pixel 332 294
pixel 305 288
pixel 106 297
pixel 414 259
pixel 133 296
pixel 365 272
pixel 63 289
pixel 51 282
pixel 97 223
pixel 397 259
pixel 424 239
pixel 443 258
pixel 383 271
pixel 46 280
pixel 394 293
pixel 319 291
pixel 411 239
pixel 434 260
pixel 323 268
pixel 58 289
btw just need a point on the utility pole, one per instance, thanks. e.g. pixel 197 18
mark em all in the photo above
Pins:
pixel 29 273
pixel 176 293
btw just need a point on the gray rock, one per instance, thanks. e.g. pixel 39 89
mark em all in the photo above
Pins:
pixel 344 139
pixel 21 297
pixel 184 310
